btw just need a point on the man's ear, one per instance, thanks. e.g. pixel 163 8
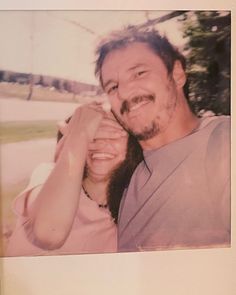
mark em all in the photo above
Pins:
pixel 178 74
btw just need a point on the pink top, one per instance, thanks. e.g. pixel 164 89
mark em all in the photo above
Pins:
pixel 93 230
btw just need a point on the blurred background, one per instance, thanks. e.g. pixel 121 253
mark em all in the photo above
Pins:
pixel 47 70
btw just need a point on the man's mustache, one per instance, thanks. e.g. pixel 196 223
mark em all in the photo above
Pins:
pixel 128 104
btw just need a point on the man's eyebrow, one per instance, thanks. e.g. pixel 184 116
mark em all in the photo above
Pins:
pixel 107 83
pixel 129 70
pixel 136 66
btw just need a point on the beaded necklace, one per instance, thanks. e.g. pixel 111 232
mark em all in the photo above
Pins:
pixel 88 195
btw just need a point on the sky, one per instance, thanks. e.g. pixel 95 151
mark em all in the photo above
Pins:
pixel 62 43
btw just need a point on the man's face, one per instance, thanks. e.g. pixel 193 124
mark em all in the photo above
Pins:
pixel 142 94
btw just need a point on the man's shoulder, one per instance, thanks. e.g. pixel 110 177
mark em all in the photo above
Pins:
pixel 221 122
pixel 218 147
pixel 220 130
pixel 215 130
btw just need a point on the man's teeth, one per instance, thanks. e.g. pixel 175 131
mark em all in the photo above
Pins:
pixel 102 156
pixel 138 105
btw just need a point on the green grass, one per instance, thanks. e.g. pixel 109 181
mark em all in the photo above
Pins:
pixel 22 131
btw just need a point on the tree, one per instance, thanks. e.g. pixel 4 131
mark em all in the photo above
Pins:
pixel 208 47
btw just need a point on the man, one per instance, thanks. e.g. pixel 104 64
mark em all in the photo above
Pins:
pixel 179 196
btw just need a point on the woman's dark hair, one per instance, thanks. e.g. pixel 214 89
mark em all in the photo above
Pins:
pixel 59 134
pixel 121 176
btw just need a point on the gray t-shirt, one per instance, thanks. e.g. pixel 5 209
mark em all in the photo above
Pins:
pixel 179 196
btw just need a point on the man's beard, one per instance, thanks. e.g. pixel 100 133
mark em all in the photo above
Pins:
pixel 149 131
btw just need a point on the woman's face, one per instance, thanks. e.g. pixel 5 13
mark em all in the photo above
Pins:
pixel 104 156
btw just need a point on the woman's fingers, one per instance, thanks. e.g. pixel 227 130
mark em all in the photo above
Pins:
pixel 93 122
pixel 111 123
pixel 109 129
pixel 103 102
pixel 108 134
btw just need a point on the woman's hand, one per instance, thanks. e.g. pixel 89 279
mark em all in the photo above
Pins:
pixel 88 123
pixel 81 127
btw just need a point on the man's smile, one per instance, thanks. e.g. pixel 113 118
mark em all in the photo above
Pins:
pixel 137 106
pixel 135 103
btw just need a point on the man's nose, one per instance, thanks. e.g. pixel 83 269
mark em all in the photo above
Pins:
pixel 126 90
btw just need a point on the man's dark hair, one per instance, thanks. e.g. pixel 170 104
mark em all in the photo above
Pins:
pixel 121 176
pixel 160 45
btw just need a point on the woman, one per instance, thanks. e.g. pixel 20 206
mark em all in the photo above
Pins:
pixel 71 206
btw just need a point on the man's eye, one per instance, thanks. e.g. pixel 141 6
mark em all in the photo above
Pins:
pixel 112 88
pixel 141 73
